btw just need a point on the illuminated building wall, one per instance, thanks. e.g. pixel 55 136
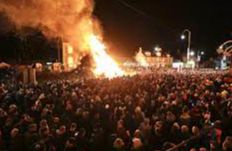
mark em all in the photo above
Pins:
pixel 70 57
pixel 155 60
pixel 159 61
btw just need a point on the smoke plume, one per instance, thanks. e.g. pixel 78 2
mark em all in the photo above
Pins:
pixel 69 19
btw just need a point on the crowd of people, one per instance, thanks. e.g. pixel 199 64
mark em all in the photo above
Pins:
pixel 145 112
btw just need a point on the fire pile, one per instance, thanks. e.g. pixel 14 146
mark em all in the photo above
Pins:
pixel 69 19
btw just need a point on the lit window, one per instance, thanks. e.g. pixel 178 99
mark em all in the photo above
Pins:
pixel 70 50
pixel 70 61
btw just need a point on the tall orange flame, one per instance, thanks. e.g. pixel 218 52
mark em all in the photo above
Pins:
pixel 105 65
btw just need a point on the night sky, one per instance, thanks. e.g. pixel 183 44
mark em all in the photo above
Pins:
pixel 129 24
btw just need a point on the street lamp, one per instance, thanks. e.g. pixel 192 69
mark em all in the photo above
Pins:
pixel 226 50
pixel 189 41
pixel 182 37
pixel 158 53
pixel 157 49
pixel 192 53
pixel 199 55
